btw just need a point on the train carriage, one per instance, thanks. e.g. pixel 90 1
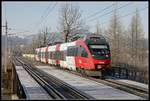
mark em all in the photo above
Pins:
pixel 90 55
pixel 51 55
pixel 43 55
pixel 63 48
pixel 37 55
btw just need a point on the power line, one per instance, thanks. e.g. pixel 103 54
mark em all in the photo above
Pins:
pixel 50 11
pixel 100 11
pixel 47 14
pixel 142 9
pixel 42 16
pixel 110 12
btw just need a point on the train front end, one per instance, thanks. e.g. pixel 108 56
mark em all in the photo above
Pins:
pixel 100 51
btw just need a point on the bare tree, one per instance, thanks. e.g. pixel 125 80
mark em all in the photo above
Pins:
pixel 114 34
pixel 38 39
pixel 42 38
pixel 136 34
pixel 45 36
pixel 98 28
pixel 70 20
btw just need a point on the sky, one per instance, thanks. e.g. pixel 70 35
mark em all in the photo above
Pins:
pixel 26 18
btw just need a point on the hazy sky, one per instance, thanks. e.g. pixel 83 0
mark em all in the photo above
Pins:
pixel 26 17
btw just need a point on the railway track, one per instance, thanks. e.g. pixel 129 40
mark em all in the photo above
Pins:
pixel 56 88
pixel 136 90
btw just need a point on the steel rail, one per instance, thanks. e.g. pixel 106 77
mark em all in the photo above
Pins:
pixel 61 88
pixel 49 89
pixel 138 88
pixel 126 88
pixel 139 91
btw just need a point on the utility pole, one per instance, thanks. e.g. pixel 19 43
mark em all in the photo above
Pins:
pixel 6 31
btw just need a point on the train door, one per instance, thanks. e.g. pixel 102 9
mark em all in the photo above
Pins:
pixel 46 55
pixel 58 54
pixel 70 58
pixel 82 60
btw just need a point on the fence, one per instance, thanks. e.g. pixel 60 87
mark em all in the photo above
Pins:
pixel 130 73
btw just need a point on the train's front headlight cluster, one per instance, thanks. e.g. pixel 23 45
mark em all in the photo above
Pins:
pixel 99 66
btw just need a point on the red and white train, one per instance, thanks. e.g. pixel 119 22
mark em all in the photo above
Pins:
pixel 89 55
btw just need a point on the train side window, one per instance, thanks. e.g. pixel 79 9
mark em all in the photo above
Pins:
pixel 52 55
pixel 38 54
pixel 84 53
pixel 57 54
pixel 64 55
pixel 60 55
pixel 69 51
pixel 72 51
pixel 43 55
pixel 80 48
pixel 48 55
pixel 76 51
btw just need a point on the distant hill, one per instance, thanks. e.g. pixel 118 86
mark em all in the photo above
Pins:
pixel 12 41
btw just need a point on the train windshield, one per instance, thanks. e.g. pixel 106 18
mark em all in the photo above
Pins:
pixel 99 51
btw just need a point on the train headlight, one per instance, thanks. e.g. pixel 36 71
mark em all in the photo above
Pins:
pixel 99 66
pixel 107 56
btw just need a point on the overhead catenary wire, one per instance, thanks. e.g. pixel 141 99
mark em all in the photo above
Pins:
pixel 100 11
pixel 109 12
pixel 50 10
pixel 125 15
pixel 47 14
pixel 119 17
pixel 42 16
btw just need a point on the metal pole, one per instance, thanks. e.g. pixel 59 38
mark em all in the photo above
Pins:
pixel 6 47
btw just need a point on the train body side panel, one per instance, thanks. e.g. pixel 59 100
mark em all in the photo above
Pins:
pixel 84 62
pixel 71 62
pixel 37 50
pixel 51 49
pixel 58 50
pixel 66 62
